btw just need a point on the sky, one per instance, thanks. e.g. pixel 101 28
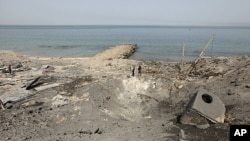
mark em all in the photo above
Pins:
pixel 125 12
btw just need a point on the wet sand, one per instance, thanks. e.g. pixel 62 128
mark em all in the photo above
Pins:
pixel 97 99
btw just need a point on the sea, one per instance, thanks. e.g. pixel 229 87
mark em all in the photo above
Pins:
pixel 162 43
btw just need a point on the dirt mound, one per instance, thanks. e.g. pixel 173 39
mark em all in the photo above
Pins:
pixel 7 55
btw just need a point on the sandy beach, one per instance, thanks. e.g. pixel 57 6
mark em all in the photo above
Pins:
pixel 97 99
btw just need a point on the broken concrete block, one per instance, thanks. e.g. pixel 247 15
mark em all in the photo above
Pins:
pixel 17 65
pixel 193 118
pixel 209 106
pixel 203 106
pixel 14 95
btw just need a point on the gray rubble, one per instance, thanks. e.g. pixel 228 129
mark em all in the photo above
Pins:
pixel 94 99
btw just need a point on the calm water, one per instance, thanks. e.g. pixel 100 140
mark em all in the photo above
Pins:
pixel 155 42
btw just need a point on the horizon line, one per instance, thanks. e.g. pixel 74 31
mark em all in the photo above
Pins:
pixel 128 25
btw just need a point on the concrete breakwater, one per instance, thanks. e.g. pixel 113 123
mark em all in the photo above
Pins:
pixel 122 51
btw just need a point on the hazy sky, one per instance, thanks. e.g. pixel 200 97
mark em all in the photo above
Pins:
pixel 125 12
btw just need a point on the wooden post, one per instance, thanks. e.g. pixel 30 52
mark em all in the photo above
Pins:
pixel 2 105
pixel 9 69
pixel 181 64
pixel 193 65
pixel 204 49
pixel 182 58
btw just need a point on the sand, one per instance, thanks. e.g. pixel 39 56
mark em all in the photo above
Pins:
pixel 97 99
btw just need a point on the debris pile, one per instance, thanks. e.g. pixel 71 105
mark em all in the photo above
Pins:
pixel 95 99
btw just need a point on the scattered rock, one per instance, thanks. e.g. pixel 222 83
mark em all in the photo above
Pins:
pixel 236 82
pixel 192 118
pixel 59 101
pixel 178 85
pixel 98 131
pixel 14 95
pixel 48 67
pixel 85 132
pixel 17 65
pixel 5 70
pixel 8 138
pixel 203 126
pixel 182 134
pixel 32 103
pixel 231 92
pixel 247 85
pixel 47 86
pixel 229 118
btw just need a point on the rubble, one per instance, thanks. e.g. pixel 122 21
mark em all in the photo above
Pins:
pixel 39 81
pixel 191 117
pixel 32 103
pixel 47 67
pixel 13 96
pixel 80 98
pixel 182 134
pixel 231 92
pixel 201 108
pixel 205 103
pixel 59 101
pixel 1 105
pixel 36 82
pixel 47 86
pixel 247 86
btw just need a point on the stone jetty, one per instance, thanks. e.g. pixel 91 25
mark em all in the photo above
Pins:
pixel 122 51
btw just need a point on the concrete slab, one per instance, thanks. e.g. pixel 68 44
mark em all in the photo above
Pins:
pixel 14 95
pixel 209 105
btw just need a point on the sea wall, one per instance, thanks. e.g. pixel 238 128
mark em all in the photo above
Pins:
pixel 123 51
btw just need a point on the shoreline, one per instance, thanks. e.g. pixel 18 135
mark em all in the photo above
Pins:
pixel 7 54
